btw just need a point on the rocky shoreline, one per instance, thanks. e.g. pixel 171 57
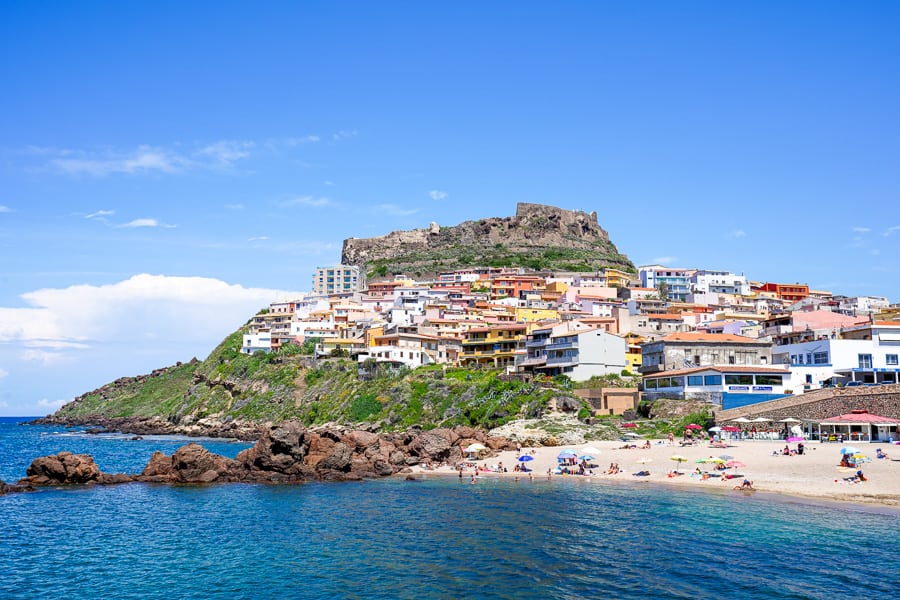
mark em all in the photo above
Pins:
pixel 285 453
pixel 240 430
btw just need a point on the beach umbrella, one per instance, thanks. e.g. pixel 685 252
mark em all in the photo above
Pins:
pixel 735 464
pixel 796 439
pixel 567 454
pixel 741 420
pixel 849 450
pixel 726 456
pixel 631 435
pixel 715 460
pixel 525 458
pixel 586 457
pixel 476 447
pixel 760 420
pixel 790 420
pixel 590 450
pixel 715 429
pixel 629 424
pixel 678 458
pixel 693 426
pixel 731 428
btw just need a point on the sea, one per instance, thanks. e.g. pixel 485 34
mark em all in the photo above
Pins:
pixel 434 538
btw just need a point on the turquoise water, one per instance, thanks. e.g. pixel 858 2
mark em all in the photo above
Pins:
pixel 432 539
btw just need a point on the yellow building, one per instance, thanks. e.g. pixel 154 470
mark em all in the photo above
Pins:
pixel 617 278
pixel 494 346
pixel 633 351
pixel 532 315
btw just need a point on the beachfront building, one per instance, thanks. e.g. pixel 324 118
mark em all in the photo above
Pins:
pixel 724 386
pixel 860 354
pixel 574 349
pixel 340 279
pixel 696 349
pixel 494 346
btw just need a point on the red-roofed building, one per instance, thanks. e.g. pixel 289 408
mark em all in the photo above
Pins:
pixel 860 426
pixel 698 349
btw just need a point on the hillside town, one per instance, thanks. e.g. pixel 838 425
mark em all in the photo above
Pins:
pixel 694 334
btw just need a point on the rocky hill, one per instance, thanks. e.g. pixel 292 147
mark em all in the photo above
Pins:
pixel 538 237
pixel 230 394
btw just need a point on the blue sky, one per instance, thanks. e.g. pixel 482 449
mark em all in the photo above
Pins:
pixel 166 168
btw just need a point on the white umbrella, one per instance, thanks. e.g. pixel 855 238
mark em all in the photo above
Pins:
pixel 760 420
pixel 476 447
pixel 790 420
pixel 590 450
pixel 715 429
pixel 741 420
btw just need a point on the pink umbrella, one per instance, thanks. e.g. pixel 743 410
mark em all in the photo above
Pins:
pixel 735 464
pixel 796 439
pixel 692 426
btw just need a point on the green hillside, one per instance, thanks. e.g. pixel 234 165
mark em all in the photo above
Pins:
pixel 289 385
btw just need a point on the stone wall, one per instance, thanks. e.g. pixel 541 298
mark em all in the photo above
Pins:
pixel 882 400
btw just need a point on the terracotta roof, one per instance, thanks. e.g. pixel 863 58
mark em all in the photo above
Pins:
pixel 720 369
pixel 860 416
pixel 698 336
pixel 667 317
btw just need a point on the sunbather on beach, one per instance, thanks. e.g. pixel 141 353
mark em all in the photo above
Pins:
pixel 746 485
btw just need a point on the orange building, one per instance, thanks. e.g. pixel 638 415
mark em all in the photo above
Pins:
pixel 788 292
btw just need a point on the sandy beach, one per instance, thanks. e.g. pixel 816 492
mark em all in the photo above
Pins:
pixel 814 474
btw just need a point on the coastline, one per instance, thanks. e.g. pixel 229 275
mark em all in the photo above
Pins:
pixel 812 477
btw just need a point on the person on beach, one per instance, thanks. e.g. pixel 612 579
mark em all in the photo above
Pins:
pixel 671 439
pixel 746 485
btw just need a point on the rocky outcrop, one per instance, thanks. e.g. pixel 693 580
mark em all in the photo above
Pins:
pixel 285 453
pixel 534 227
pixel 239 430
pixel 67 468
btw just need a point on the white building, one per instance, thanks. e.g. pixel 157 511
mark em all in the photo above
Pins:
pixel 339 279
pixel 573 349
pixel 867 354
pixel 719 282
pixel 724 386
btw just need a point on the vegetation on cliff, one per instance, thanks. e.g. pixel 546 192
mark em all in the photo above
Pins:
pixel 286 384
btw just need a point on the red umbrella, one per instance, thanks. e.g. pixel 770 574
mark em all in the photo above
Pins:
pixel 629 424
pixel 692 426
pixel 731 428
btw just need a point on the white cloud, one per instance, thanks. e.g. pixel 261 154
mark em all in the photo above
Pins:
pixel 54 404
pixel 60 323
pixel 891 230
pixel 225 153
pixel 235 206
pixel 395 211
pixel 663 260
pixel 344 134
pixel 306 139
pixel 44 357
pixel 306 201
pixel 3 373
pixel 738 233
pixel 147 159
pixel 5 209
pixel 138 223
pixel 100 214
pixel 260 238
pixel 861 229
pixel 144 159
pixel 437 194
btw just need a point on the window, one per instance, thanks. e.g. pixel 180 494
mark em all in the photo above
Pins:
pixel 768 379
pixel 695 380
pixel 731 360
pixel 865 361
pixel 664 382
pixel 890 359
pixel 739 380
pixel 712 380
pixel 821 358
pixel 650 384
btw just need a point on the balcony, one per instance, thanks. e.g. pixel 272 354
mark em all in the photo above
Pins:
pixel 571 344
